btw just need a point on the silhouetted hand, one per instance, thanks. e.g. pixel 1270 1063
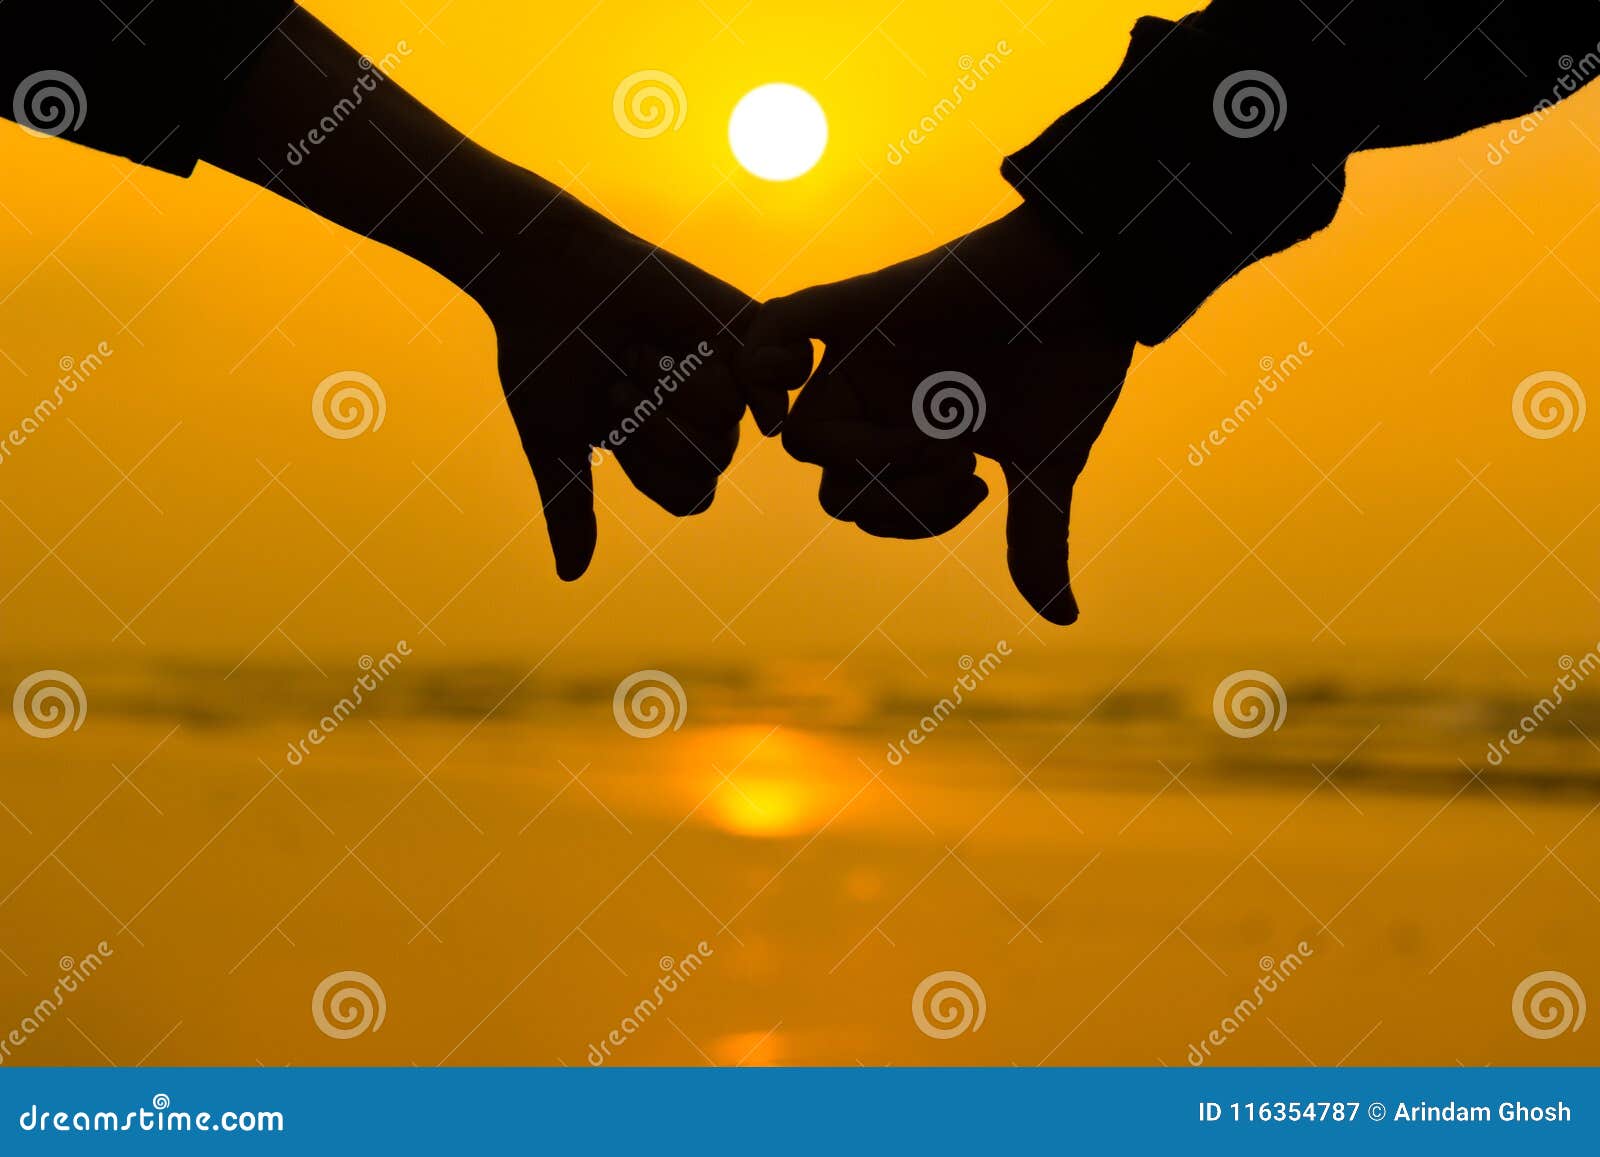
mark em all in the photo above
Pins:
pixel 990 345
pixel 610 345
pixel 604 341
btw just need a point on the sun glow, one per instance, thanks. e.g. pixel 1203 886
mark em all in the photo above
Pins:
pixel 778 131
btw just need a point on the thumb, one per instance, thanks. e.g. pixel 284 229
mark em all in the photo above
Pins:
pixel 566 491
pixel 1037 523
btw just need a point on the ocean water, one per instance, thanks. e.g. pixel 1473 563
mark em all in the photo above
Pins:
pixel 1051 875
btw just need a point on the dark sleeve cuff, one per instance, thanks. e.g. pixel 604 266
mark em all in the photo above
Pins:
pixel 146 80
pixel 1191 163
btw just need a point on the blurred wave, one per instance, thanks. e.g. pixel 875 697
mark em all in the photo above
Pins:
pixel 1384 735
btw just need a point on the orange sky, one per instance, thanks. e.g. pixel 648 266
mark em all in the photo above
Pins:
pixel 1444 283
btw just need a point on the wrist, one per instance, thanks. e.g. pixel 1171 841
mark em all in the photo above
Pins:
pixel 1183 170
pixel 462 216
pixel 1073 286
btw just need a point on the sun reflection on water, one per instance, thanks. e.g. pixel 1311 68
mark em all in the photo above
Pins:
pixel 764 782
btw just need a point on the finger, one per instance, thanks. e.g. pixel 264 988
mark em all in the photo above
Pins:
pixel 682 481
pixel 916 486
pixel 699 386
pixel 768 374
pixel 670 460
pixel 1037 524
pixel 566 491
pixel 768 407
pixel 911 506
pixel 858 442
pixel 829 313
pixel 679 491
pixel 827 426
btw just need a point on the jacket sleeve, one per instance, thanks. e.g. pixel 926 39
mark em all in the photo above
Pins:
pixel 1222 137
pixel 147 79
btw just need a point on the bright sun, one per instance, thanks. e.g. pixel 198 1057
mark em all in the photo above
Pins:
pixel 778 131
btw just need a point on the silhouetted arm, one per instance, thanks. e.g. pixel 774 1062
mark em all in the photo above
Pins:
pixel 146 79
pixel 603 339
pixel 1222 138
